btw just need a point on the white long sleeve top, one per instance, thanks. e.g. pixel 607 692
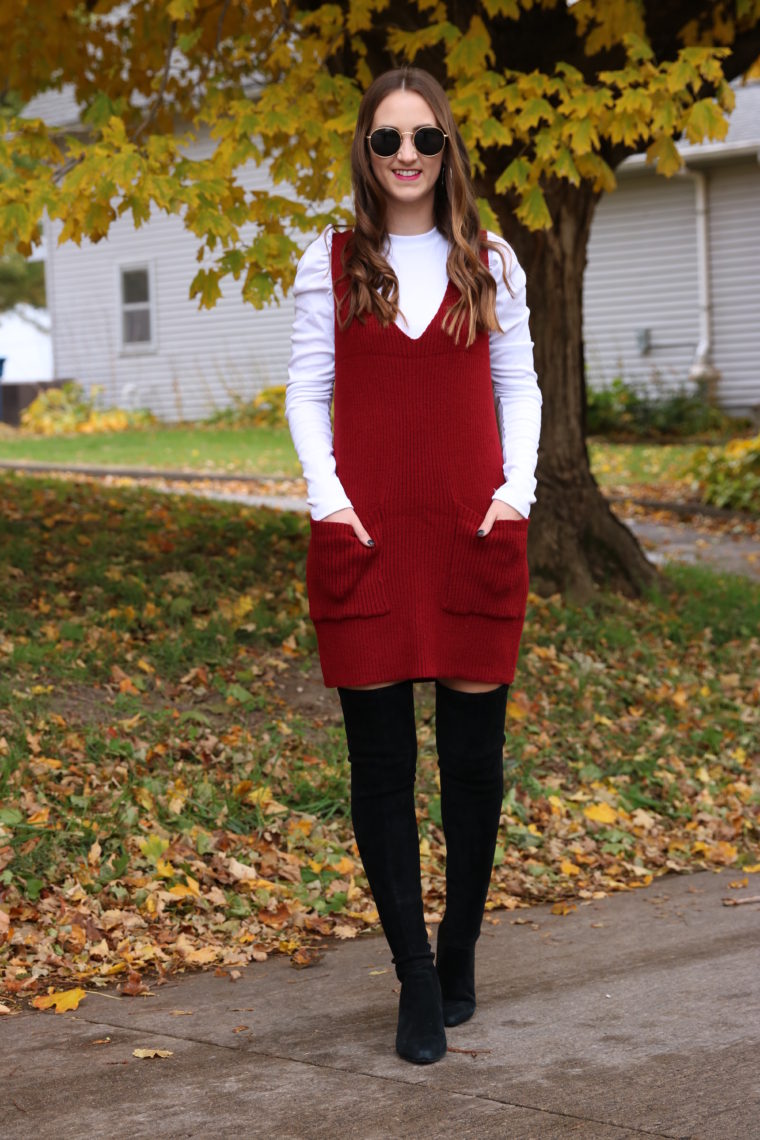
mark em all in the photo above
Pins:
pixel 419 262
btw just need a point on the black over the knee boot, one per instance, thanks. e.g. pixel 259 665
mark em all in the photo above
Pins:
pixel 382 750
pixel 470 741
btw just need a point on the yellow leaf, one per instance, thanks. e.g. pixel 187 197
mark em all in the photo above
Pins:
pixel 346 866
pixel 563 908
pixel 203 955
pixel 63 1000
pixel 664 153
pixel 600 813
pixel 342 930
pixel 180 890
pixel 569 868
pixel 148 1053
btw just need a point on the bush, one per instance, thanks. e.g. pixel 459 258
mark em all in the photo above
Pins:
pixel 69 409
pixel 622 410
pixel 266 409
pixel 729 476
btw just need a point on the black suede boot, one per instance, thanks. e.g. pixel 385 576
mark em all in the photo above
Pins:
pixel 470 741
pixel 382 750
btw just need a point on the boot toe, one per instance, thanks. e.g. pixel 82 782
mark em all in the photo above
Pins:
pixel 457 1012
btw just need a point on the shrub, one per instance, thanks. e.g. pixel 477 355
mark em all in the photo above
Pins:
pixel 69 409
pixel 266 409
pixel 729 476
pixel 623 410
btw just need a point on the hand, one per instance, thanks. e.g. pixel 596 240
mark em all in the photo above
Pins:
pixel 348 515
pixel 497 510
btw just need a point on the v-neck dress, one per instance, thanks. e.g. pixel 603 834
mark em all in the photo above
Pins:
pixel 417 448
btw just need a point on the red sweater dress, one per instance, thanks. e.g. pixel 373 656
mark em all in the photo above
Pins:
pixel 430 599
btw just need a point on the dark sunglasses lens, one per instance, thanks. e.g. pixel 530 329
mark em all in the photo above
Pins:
pixel 385 142
pixel 429 141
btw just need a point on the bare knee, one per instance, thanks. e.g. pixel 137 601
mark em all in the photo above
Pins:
pixel 380 685
pixel 463 686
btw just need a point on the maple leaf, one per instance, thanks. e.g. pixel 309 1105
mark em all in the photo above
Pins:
pixel 600 813
pixel 62 1000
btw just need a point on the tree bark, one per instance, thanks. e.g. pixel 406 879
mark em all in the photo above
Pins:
pixel 576 543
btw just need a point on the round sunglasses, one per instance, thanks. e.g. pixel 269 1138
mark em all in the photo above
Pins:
pixel 386 141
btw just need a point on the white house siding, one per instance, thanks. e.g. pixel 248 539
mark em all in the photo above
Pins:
pixel 734 197
pixel 641 274
pixel 202 360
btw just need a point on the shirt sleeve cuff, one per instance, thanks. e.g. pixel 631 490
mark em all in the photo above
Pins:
pixel 513 497
pixel 331 499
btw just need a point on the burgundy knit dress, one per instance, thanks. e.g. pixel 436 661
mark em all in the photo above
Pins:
pixel 418 451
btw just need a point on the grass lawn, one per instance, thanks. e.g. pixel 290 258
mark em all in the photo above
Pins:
pixel 654 464
pixel 269 451
pixel 173 782
pixel 258 451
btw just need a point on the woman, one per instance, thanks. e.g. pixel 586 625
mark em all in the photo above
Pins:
pixel 416 320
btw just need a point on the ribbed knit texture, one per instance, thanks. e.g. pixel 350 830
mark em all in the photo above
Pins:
pixel 431 598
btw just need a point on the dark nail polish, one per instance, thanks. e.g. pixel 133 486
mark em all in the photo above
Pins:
pixel 370 542
pixel 481 533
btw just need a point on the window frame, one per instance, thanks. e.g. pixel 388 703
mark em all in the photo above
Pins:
pixel 143 347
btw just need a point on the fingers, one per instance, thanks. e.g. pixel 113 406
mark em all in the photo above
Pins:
pixel 347 516
pixel 362 535
pixel 494 512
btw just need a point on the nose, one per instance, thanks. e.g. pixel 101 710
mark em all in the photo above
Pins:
pixel 407 152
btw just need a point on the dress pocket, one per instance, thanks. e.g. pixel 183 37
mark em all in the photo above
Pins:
pixel 487 576
pixel 343 577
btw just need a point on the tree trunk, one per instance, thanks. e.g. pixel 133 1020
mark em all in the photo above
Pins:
pixel 575 541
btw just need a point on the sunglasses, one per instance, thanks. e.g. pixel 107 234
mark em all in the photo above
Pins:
pixel 386 141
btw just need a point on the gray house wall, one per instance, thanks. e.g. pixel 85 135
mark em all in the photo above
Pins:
pixel 734 195
pixel 642 273
pixel 199 361
pixel 641 276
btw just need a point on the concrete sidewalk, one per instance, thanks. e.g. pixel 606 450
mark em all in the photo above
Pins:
pixel 635 1015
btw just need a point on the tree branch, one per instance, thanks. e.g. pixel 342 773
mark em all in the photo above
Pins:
pixel 158 101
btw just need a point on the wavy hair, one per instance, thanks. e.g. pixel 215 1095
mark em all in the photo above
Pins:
pixel 372 284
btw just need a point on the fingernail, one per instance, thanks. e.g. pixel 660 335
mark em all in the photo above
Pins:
pixel 481 533
pixel 370 542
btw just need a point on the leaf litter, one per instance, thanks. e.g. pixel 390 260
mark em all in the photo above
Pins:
pixel 174 782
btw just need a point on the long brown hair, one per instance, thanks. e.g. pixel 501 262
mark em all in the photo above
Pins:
pixel 372 284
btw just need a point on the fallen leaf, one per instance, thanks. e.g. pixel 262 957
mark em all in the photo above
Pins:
pixel 147 1053
pixel 134 985
pixel 343 931
pixel 569 868
pixel 63 1000
pixel 600 813
pixel 304 957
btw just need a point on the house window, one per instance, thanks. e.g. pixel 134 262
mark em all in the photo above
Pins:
pixel 137 310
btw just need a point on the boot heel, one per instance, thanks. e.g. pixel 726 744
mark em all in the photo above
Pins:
pixel 456 971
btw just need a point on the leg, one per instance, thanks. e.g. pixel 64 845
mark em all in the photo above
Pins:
pixel 382 751
pixel 470 741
